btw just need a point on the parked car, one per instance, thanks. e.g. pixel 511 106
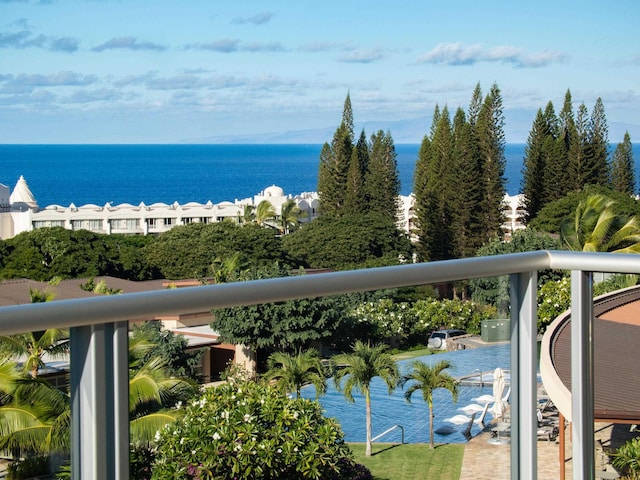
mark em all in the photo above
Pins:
pixel 440 339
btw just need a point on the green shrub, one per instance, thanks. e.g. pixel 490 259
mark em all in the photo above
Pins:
pixel 28 468
pixel 250 430
pixel 627 458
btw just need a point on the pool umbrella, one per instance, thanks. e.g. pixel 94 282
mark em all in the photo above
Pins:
pixel 498 408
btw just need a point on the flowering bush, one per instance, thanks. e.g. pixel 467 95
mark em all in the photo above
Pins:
pixel 412 323
pixel 553 299
pixel 250 430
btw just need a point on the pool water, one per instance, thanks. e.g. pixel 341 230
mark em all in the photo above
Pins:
pixel 389 410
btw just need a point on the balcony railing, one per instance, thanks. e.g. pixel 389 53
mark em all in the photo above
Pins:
pixel 99 367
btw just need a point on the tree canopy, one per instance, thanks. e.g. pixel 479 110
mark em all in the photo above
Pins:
pixel 341 243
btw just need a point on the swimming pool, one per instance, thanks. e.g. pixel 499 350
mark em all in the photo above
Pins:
pixel 389 410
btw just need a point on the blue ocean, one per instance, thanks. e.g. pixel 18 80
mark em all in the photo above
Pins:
pixel 83 174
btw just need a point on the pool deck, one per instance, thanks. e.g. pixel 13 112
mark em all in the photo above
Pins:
pixel 483 460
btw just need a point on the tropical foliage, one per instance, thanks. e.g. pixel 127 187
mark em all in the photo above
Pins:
pixel 292 372
pixel 596 227
pixel 251 430
pixel 427 378
pixel 358 368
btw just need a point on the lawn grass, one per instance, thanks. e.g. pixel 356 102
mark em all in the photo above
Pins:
pixel 412 354
pixel 411 461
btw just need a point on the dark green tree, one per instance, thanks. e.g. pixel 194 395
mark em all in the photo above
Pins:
pixel 467 227
pixel 490 138
pixel 552 215
pixel 190 251
pixel 355 202
pixel 348 242
pixel 171 348
pixel 596 154
pixel 433 205
pixel 284 326
pixel 382 180
pixel 623 178
pixel 533 175
pixel 577 150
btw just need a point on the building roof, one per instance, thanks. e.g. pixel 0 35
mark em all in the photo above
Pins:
pixel 616 339
pixel 22 194
pixel 16 292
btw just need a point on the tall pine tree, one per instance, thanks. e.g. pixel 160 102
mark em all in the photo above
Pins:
pixel 489 135
pixel 334 165
pixel 623 178
pixel 356 195
pixel 596 155
pixel 382 179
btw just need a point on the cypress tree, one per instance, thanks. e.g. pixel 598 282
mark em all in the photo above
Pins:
pixel 623 177
pixel 382 179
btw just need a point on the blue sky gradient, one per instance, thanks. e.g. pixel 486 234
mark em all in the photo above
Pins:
pixel 141 71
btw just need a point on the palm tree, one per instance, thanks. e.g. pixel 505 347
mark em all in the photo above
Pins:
pixel 248 215
pixel 151 394
pixel 290 214
pixel 360 367
pixel 292 372
pixel 265 211
pixel 34 345
pixel 597 228
pixel 36 418
pixel 427 378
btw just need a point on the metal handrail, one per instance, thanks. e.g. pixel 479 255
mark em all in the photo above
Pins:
pixel 388 430
pixel 99 375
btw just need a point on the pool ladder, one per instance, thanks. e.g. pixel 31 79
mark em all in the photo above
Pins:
pixel 388 431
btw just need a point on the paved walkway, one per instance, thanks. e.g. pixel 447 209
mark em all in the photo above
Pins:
pixel 485 461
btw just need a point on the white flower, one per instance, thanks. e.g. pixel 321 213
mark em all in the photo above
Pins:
pixel 182 440
pixel 157 436
pixel 216 436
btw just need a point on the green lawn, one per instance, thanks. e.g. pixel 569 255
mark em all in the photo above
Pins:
pixel 411 461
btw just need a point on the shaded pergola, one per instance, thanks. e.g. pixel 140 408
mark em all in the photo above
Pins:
pixel 616 340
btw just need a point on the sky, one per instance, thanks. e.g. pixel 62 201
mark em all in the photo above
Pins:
pixel 167 71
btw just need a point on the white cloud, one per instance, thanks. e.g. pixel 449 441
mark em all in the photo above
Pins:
pixel 459 54
pixel 128 43
pixel 361 56
pixel 258 19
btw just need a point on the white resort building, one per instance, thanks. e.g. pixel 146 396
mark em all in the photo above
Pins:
pixel 19 212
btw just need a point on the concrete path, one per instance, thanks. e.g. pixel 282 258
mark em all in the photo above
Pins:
pixel 485 461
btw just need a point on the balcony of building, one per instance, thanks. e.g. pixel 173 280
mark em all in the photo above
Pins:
pixel 99 326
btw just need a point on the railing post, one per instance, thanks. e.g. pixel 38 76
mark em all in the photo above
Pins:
pixel 582 391
pixel 524 356
pixel 99 402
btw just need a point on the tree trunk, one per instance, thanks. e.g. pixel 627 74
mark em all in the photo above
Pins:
pixel 431 443
pixel 367 398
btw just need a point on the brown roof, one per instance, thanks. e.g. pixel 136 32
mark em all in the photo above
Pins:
pixel 616 340
pixel 16 292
